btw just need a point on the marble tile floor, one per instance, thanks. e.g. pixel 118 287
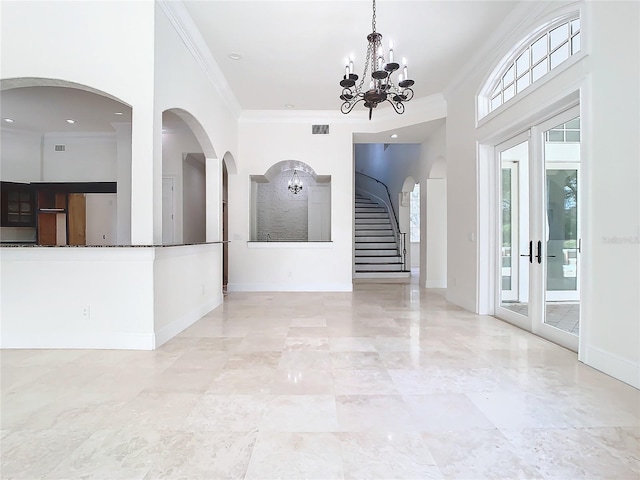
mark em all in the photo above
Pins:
pixel 387 382
pixel 565 316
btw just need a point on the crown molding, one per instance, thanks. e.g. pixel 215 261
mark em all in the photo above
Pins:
pixel 188 32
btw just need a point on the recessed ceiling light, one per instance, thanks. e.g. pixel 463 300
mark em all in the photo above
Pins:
pixel 70 120
pixel 8 120
pixel 235 56
pixel 118 113
pixel 289 105
pixel 394 135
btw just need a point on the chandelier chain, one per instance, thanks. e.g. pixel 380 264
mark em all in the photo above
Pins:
pixel 366 67
pixel 373 19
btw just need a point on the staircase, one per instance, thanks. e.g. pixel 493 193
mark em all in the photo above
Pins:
pixel 378 257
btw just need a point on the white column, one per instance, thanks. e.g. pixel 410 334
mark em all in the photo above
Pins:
pixel 146 176
pixel 213 175
pixel 123 202
pixel 436 244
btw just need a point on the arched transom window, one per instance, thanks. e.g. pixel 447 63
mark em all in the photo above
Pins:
pixel 529 64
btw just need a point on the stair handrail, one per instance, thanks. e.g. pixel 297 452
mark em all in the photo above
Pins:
pixel 395 217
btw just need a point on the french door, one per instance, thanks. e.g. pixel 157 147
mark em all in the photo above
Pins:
pixel 538 229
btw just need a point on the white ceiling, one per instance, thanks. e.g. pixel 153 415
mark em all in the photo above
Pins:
pixel 41 109
pixel 293 51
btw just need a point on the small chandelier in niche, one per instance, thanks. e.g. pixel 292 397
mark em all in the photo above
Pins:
pixel 295 184
pixel 381 86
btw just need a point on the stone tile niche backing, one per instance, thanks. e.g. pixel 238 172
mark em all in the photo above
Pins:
pixel 281 214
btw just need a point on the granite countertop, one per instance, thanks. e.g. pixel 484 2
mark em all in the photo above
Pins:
pixel 30 245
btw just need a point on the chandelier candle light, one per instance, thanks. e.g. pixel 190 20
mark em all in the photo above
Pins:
pixel 381 86
pixel 295 184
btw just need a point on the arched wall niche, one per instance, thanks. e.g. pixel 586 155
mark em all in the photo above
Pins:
pixel 280 215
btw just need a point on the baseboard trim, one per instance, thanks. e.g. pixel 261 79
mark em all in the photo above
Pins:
pixel 271 287
pixel 617 367
pixel 74 340
pixel 169 331
pixel 435 284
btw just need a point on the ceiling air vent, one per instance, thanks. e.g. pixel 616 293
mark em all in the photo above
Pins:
pixel 60 148
pixel 320 129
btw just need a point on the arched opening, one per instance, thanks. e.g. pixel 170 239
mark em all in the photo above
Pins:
pixel 66 164
pixel 282 213
pixel 185 148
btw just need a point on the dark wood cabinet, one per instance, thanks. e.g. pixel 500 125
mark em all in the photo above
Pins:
pixel 17 205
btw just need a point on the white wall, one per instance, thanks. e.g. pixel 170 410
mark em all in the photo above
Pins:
pixel 86 298
pixel 31 157
pixel 606 84
pixel 194 203
pixel 206 101
pixel 88 157
pixel 436 228
pixel 611 300
pixel 48 41
pixel 187 284
pixel 292 266
pixel 21 159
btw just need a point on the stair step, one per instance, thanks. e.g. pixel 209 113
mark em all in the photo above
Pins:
pixel 376 238
pixel 375 245
pixel 373 226
pixel 360 220
pixel 379 267
pixel 360 210
pixel 361 260
pixel 379 232
pixel 389 252
pixel 372 215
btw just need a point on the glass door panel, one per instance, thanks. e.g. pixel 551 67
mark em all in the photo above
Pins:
pixel 562 161
pixel 514 230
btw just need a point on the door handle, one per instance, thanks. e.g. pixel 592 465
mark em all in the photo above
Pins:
pixel 539 254
pixel 530 255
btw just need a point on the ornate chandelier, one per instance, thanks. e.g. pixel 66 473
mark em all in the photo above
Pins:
pixel 295 184
pixel 381 87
